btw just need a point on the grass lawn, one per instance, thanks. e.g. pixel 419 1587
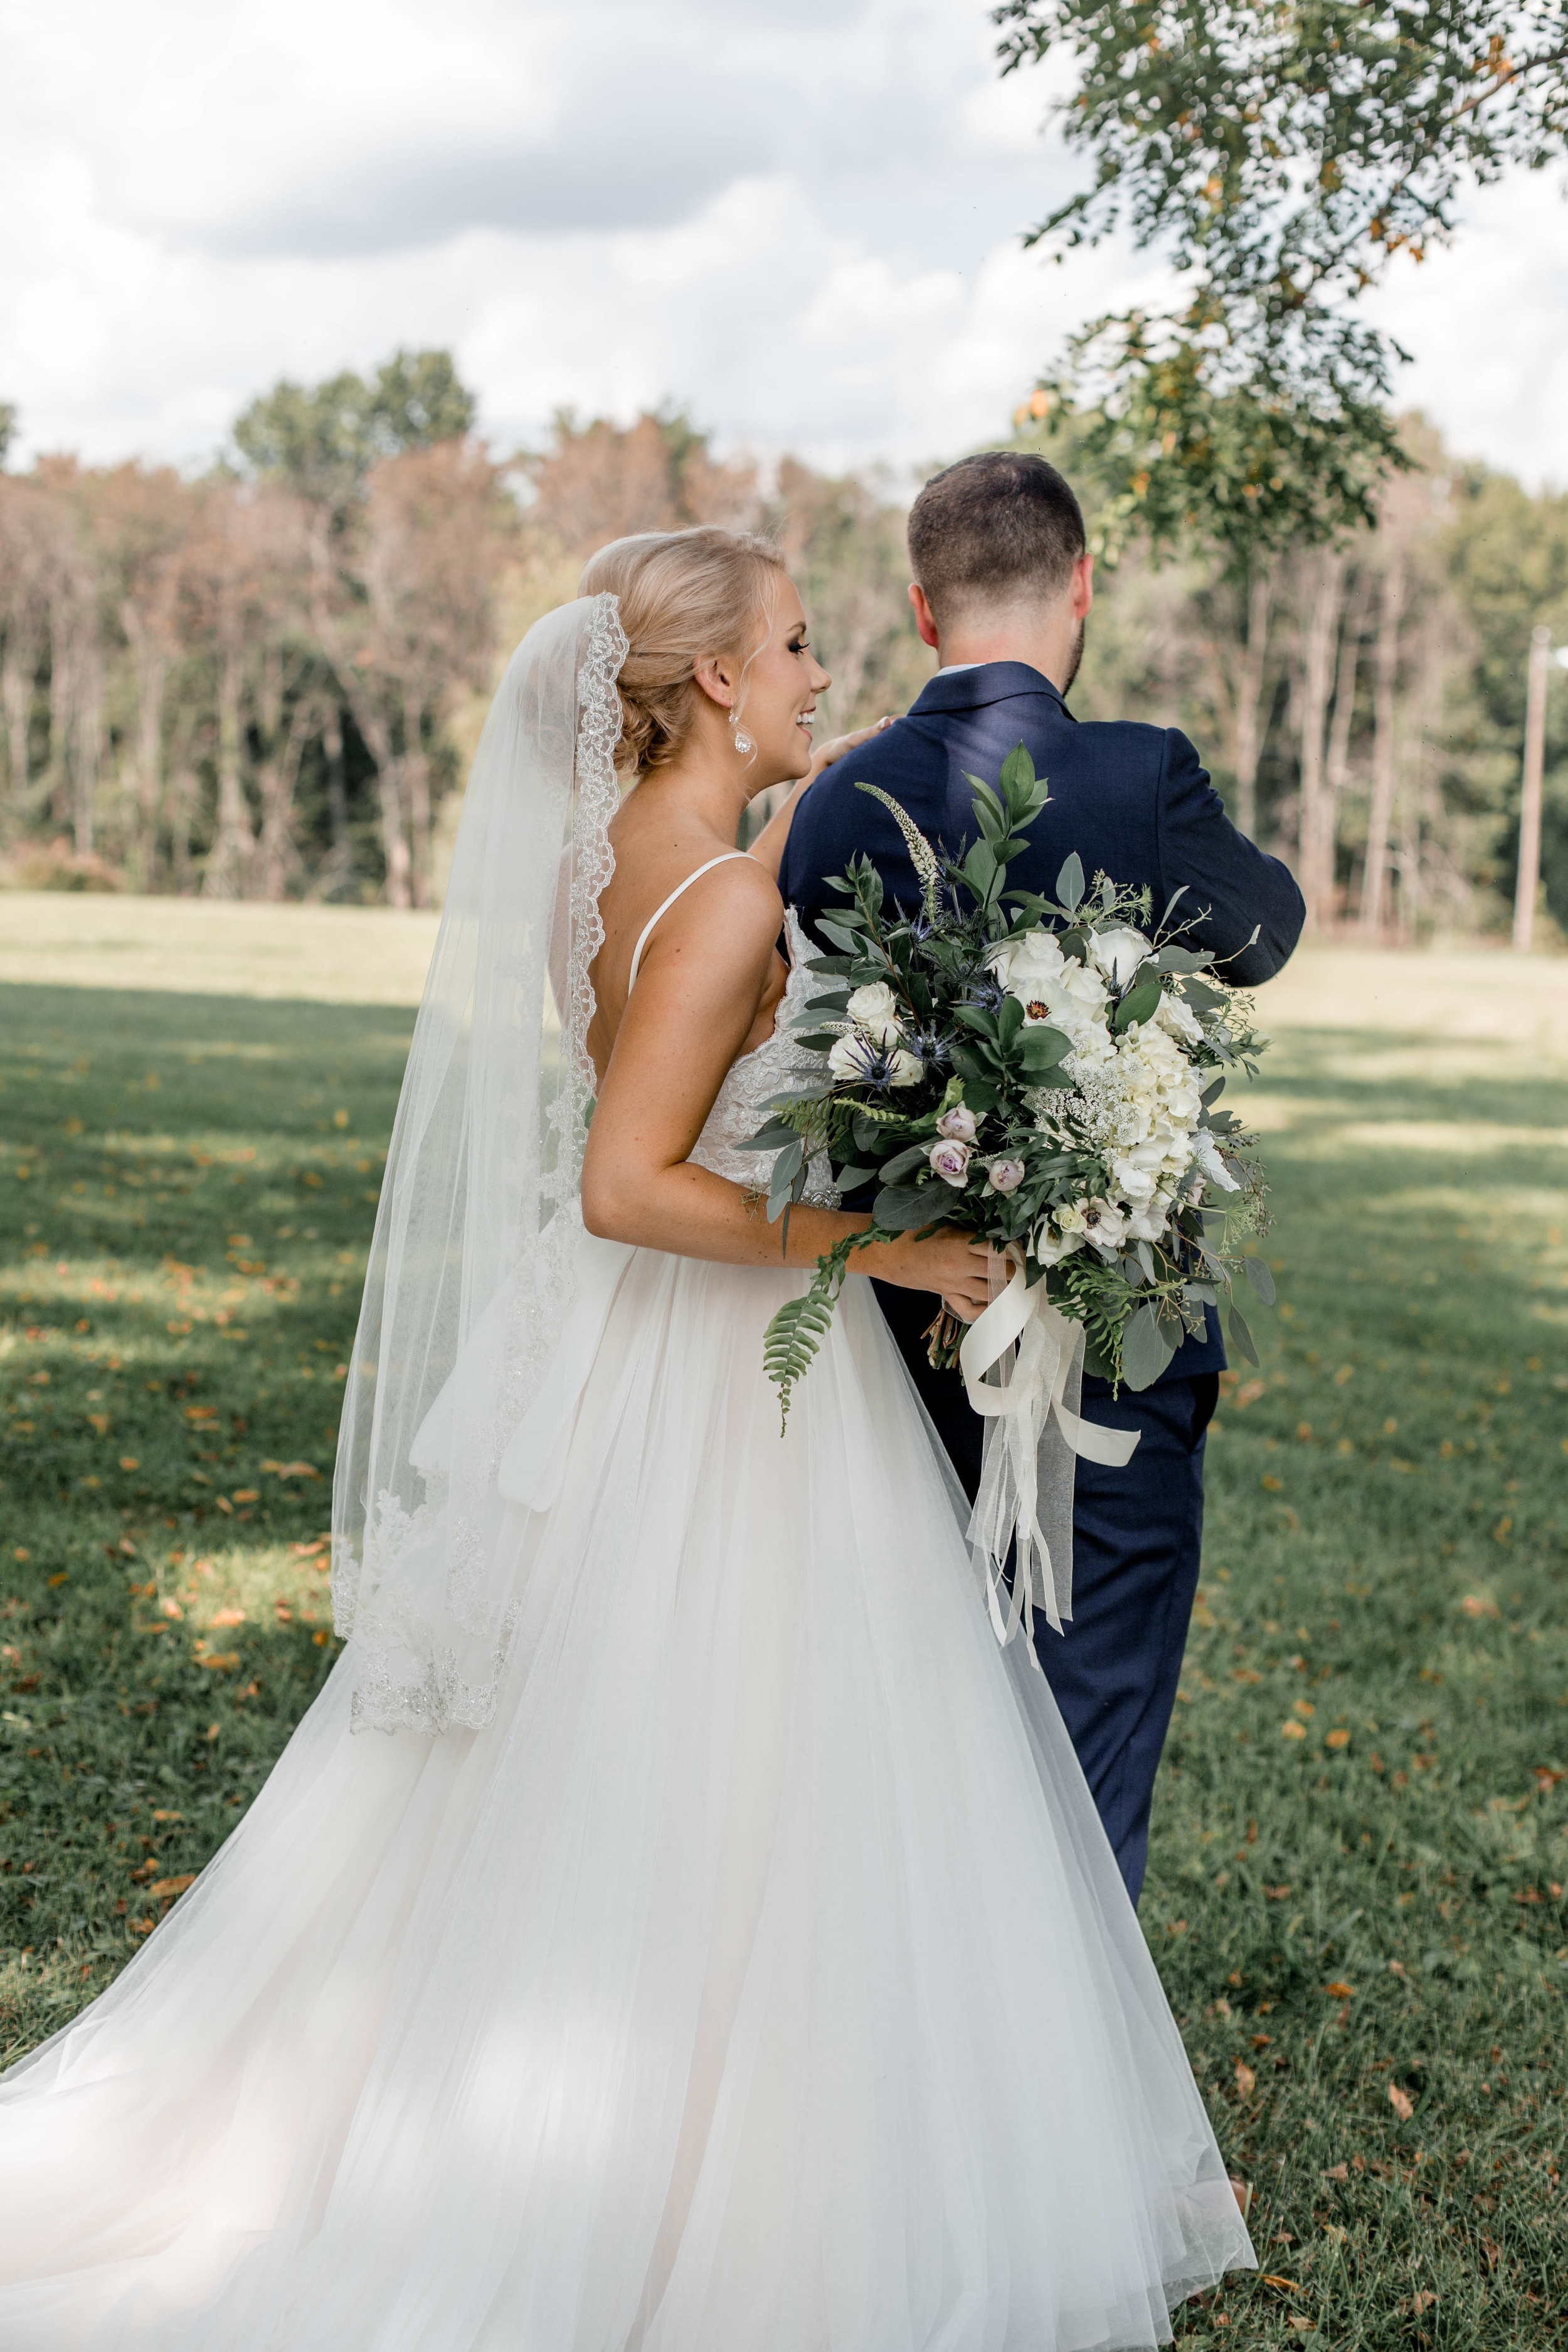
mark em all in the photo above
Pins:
pixel 1356 1894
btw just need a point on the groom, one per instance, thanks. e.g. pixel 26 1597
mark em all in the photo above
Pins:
pixel 1002 586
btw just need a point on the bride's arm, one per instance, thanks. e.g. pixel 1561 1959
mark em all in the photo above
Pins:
pixel 688 1018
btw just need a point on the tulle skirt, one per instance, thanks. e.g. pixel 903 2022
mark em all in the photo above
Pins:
pixel 759 1980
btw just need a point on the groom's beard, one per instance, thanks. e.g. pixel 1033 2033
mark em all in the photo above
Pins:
pixel 1074 660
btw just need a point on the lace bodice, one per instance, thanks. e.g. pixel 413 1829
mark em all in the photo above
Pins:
pixel 773 1067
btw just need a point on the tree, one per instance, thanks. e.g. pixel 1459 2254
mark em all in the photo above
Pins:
pixel 7 429
pixel 1282 154
pixel 322 439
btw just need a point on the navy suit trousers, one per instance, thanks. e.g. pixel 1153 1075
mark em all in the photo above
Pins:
pixel 1137 1536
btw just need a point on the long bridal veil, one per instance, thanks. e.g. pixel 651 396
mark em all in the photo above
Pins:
pixel 470 1271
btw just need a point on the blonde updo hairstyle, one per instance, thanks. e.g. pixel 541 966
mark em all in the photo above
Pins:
pixel 683 594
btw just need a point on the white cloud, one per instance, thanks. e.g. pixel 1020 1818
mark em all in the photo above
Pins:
pixel 802 224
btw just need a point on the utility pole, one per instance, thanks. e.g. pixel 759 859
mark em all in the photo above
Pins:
pixel 1530 806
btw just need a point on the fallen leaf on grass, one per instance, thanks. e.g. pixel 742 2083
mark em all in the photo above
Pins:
pixel 1339 1990
pixel 173 1885
pixel 1246 2079
pixel 1400 2103
pixel 1422 2300
pixel 1293 1731
pixel 1277 2278
pixel 293 1469
pixel 222 1663
pixel 1340 1739
pixel 1242 2192
pixel 229 1617
pixel 1338 2172
pixel 1475 1605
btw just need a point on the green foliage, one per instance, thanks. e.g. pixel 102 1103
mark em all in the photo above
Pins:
pixel 796 1331
pixel 1281 155
pixel 322 439
pixel 7 429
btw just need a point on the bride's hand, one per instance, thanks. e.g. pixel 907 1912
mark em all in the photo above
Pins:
pixel 836 747
pixel 769 845
pixel 965 1273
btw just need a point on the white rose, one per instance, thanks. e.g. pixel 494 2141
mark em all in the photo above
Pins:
pixel 1028 962
pixel 1178 1020
pixel 875 1009
pixel 1118 953
pixel 904 1069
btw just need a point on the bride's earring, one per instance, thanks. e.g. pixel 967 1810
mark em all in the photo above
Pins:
pixel 743 743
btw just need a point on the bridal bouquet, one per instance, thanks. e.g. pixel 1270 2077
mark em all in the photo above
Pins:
pixel 1044 1073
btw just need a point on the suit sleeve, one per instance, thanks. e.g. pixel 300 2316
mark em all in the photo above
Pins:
pixel 1226 874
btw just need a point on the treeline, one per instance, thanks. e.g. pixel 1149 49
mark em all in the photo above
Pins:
pixel 1362 706
pixel 267 682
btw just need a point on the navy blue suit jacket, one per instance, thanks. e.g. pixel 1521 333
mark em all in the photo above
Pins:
pixel 1132 800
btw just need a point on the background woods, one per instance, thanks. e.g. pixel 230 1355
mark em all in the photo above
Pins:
pixel 266 683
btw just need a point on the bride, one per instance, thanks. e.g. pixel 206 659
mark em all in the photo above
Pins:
pixel 677 1926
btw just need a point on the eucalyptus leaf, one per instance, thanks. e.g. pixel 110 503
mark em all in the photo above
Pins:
pixel 1262 1281
pixel 892 1170
pixel 1200 996
pixel 905 1208
pixel 1070 883
pixel 1145 1351
pixel 1240 1337
pixel 1139 1003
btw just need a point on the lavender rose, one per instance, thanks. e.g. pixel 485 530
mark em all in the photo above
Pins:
pixel 1005 1175
pixel 957 1125
pixel 950 1161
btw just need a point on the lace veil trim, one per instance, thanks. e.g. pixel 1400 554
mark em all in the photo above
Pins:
pixel 470 1276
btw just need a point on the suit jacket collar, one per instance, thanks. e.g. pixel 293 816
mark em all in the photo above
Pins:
pixel 970 689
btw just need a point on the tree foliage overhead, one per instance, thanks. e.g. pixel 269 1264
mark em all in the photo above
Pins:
pixel 1282 154
pixel 322 439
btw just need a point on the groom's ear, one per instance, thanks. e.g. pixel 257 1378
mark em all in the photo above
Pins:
pixel 925 619
pixel 1082 586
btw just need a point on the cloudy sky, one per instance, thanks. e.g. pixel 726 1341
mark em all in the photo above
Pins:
pixel 799 220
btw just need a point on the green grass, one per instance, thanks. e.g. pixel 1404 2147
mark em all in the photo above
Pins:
pixel 1386 1557
pixel 186 1186
pixel 1356 1891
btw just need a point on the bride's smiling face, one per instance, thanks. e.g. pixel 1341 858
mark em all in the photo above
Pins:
pixel 773 696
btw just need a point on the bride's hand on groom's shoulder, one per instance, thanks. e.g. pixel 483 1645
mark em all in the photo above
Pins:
pixel 768 847
pixel 836 747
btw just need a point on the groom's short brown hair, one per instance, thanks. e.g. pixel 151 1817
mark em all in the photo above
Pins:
pixel 993 529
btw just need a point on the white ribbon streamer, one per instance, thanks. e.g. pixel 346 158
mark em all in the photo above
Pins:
pixel 1018 1412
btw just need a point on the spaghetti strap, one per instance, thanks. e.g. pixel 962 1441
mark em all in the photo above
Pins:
pixel 659 912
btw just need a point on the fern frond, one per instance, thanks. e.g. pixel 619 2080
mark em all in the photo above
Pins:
pixel 798 1329
pixel 922 857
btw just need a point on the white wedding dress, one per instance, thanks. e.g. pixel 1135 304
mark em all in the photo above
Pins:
pixel 746 1970
pixel 759 1980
